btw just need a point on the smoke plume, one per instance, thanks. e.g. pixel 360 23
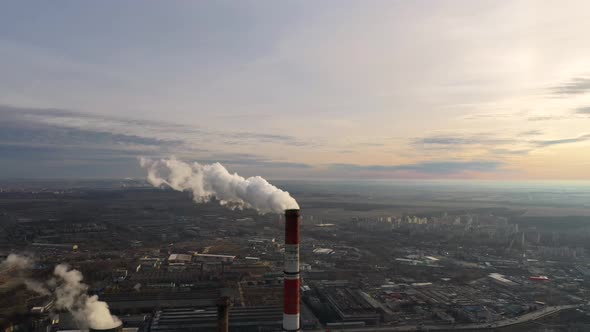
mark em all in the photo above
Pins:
pixel 207 181
pixel 16 265
pixel 17 262
pixel 71 295
pixel 68 293
pixel 37 287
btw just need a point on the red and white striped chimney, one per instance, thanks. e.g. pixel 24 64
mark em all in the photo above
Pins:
pixel 291 273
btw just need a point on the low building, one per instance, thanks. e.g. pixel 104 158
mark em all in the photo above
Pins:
pixel 242 319
pixel 120 274
pixel 179 258
pixel 323 251
pixel 350 305
pixel 148 264
pixel 214 258
pixel 145 302
pixel 501 280
pixel 60 246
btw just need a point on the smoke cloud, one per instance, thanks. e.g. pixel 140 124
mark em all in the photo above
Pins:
pixel 71 295
pixel 207 181
pixel 17 262
pixel 68 292
pixel 37 287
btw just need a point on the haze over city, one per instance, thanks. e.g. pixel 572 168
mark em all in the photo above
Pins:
pixel 291 89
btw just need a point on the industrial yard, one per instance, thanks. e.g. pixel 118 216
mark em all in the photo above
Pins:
pixel 162 263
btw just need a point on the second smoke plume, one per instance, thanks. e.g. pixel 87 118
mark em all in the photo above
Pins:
pixel 207 181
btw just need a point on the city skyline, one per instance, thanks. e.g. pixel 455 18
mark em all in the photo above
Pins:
pixel 420 90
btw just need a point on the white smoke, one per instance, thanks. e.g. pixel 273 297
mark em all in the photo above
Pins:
pixel 68 292
pixel 207 181
pixel 37 287
pixel 15 265
pixel 71 295
pixel 17 262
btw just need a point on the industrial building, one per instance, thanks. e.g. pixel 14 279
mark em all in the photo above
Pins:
pixel 501 280
pixel 179 258
pixel 145 301
pixel 214 258
pixel 61 246
pixel 351 305
pixel 241 319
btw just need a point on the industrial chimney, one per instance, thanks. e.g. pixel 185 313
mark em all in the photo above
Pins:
pixel 114 329
pixel 291 273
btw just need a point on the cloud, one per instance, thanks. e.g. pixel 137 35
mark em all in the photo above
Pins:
pixel 533 132
pixel 432 168
pixel 241 137
pixel 39 134
pixel 545 143
pixel 247 159
pixel 461 140
pixel 443 140
pixel 583 110
pixel 142 131
pixel 59 127
pixel 576 86
pixel 44 162
pixel 486 116
pixel 65 143
pixel 496 145
pixel 370 144
pixel 65 154
pixel 517 152
pixel 124 130
pixel 544 118
pixel 31 147
pixel 492 145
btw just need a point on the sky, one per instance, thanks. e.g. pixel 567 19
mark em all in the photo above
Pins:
pixel 496 90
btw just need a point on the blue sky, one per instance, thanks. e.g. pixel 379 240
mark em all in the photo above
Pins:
pixel 297 89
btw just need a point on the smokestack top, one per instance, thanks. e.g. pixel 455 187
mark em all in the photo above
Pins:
pixel 118 328
pixel 292 227
pixel 292 212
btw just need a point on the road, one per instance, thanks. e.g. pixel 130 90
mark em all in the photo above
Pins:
pixel 531 316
